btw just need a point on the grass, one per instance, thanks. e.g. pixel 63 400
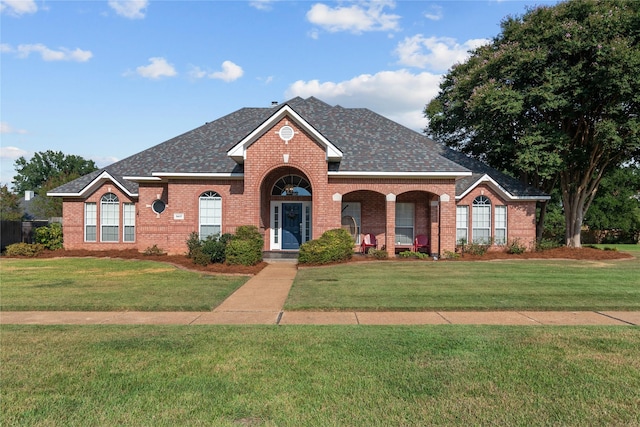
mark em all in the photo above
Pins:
pixel 460 285
pixel 87 284
pixel 311 376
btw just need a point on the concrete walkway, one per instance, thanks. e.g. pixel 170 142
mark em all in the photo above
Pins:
pixel 260 302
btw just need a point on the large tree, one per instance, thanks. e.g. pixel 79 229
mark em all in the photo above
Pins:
pixel 10 209
pixel 48 165
pixel 553 99
pixel 617 204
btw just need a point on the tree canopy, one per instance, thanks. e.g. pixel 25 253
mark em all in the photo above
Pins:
pixel 553 99
pixel 10 209
pixel 46 166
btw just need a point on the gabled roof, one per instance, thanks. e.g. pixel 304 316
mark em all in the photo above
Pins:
pixel 359 143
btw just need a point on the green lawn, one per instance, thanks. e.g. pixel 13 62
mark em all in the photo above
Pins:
pixel 87 284
pixel 317 376
pixel 461 285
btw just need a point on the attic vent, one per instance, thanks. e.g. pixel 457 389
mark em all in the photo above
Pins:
pixel 286 133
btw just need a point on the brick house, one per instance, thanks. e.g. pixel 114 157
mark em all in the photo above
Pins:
pixel 296 170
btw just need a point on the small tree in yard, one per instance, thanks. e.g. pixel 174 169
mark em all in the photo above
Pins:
pixel 554 99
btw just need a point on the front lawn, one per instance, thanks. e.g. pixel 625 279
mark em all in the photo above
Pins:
pixel 102 284
pixel 475 285
pixel 319 375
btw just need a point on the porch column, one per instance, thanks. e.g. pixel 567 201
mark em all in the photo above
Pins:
pixel 333 214
pixel 447 224
pixel 435 227
pixel 390 232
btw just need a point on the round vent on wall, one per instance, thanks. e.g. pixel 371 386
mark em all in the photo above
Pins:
pixel 286 133
pixel 158 206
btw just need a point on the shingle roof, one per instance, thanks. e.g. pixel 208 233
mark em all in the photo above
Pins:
pixel 369 143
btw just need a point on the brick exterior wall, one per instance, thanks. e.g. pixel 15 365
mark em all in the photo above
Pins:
pixel 247 201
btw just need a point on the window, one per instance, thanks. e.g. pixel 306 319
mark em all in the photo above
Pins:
pixel 158 206
pixel 307 223
pixel 210 214
pixel 351 219
pixel 276 224
pixel 404 223
pixel 291 185
pixel 501 225
pixel 481 232
pixel 462 224
pixel 129 222
pixel 109 218
pixel 90 222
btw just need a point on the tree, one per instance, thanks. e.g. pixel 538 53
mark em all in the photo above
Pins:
pixel 44 206
pixel 616 206
pixel 10 209
pixel 43 166
pixel 554 100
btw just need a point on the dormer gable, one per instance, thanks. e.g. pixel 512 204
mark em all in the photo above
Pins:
pixel 239 151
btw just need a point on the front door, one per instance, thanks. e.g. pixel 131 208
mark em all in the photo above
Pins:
pixel 291 225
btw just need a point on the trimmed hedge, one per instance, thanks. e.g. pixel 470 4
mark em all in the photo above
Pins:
pixel 245 248
pixel 24 249
pixel 333 246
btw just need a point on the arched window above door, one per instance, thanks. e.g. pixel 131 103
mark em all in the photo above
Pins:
pixel 291 185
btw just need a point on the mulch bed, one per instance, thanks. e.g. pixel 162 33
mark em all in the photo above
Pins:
pixel 181 261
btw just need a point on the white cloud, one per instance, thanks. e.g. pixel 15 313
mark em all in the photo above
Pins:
pixel 398 95
pixel 6 128
pixel 261 4
pixel 229 73
pixel 47 54
pixel 158 68
pixel 132 9
pixel 18 7
pixel 12 153
pixel 357 18
pixel 434 13
pixel 434 53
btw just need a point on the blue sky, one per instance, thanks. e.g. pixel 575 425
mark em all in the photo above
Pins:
pixel 107 79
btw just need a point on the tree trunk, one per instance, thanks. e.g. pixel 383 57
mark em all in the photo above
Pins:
pixel 540 221
pixel 573 202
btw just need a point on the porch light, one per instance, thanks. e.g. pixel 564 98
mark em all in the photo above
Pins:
pixel 288 189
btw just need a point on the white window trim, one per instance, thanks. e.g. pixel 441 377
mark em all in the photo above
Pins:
pixel 506 222
pixel 126 217
pixel 213 196
pixel 104 218
pixel 412 226
pixel 91 222
pixel 477 208
pixel 465 209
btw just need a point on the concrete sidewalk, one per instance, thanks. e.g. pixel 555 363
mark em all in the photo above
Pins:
pixel 573 318
pixel 261 299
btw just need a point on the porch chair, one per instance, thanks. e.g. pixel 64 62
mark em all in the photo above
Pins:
pixel 421 241
pixel 368 241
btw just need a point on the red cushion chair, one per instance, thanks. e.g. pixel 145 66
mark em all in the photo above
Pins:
pixel 368 241
pixel 421 241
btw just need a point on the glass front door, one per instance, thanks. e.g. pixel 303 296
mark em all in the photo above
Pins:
pixel 291 225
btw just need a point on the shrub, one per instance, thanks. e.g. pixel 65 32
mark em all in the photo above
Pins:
pixel 245 247
pixel 411 254
pixel 544 244
pixel 450 255
pixel 333 246
pixel 193 244
pixel 24 249
pixel 378 253
pixel 50 236
pixel 200 257
pixel 515 247
pixel 153 251
pixel 243 252
pixel 214 247
pixel 476 249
